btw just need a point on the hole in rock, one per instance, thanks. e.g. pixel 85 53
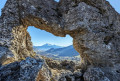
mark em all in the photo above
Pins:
pixel 50 46
pixel 57 0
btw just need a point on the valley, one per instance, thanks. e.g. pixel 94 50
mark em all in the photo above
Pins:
pixel 57 52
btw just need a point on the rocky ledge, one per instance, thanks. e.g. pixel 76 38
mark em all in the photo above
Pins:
pixel 36 69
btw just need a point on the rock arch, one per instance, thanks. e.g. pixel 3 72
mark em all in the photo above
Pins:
pixel 93 24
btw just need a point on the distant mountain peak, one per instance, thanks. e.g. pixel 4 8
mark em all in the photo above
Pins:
pixel 47 44
pixel 46 47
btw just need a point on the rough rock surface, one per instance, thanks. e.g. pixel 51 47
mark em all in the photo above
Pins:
pixel 35 69
pixel 95 74
pixel 93 24
pixel 67 65
pixel 75 76
pixel 26 70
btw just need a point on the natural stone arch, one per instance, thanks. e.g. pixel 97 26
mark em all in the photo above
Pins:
pixel 93 24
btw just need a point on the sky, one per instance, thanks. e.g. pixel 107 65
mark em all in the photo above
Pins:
pixel 115 4
pixel 2 3
pixel 57 0
pixel 40 37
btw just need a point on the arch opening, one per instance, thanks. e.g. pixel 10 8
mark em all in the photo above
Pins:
pixel 57 0
pixel 51 46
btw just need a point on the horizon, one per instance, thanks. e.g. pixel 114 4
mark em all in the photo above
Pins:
pixel 53 44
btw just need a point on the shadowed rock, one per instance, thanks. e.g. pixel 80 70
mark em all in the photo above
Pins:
pixel 26 70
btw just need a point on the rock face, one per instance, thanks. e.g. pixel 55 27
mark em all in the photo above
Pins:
pixel 95 74
pixel 26 70
pixel 35 69
pixel 93 24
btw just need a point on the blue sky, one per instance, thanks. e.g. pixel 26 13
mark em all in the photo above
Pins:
pixel 2 3
pixel 57 0
pixel 40 37
pixel 115 4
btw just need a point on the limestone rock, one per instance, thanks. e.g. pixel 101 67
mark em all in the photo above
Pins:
pixel 93 24
pixel 5 55
pixel 26 70
pixel 75 76
pixel 35 69
pixel 66 65
pixel 95 74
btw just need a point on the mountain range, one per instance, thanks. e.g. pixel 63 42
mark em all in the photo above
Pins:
pixel 54 50
pixel 45 47
pixel 65 51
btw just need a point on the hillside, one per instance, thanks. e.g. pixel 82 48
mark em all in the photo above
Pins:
pixel 50 50
pixel 65 51
pixel 56 53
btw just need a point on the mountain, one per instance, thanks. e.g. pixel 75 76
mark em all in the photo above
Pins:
pixel 45 47
pixel 63 52
pixel 56 52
